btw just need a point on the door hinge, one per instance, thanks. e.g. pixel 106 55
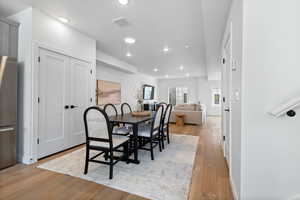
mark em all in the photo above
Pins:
pixel 39 100
pixel 39 59
pixel 91 71
pixel 224 137
pixel 38 141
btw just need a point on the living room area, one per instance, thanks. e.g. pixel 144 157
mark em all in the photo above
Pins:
pixel 196 98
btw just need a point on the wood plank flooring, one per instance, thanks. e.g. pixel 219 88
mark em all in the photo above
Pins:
pixel 210 177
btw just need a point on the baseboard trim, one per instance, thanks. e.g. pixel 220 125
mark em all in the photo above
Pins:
pixel 25 160
pixel 231 182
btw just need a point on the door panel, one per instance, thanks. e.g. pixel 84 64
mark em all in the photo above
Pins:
pixel 80 98
pixel 53 97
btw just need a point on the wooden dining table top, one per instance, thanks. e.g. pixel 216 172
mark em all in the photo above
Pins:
pixel 130 119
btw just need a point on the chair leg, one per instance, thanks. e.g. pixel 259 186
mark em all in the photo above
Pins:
pixel 144 141
pixel 140 142
pixel 87 155
pixel 162 138
pixel 129 143
pixel 159 143
pixel 151 149
pixel 126 152
pixel 168 135
pixel 106 155
pixel 111 165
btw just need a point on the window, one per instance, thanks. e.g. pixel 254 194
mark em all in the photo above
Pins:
pixel 216 97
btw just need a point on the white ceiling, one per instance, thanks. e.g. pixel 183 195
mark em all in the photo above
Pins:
pixel 10 7
pixel 154 24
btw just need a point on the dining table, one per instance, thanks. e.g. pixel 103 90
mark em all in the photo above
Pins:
pixel 135 122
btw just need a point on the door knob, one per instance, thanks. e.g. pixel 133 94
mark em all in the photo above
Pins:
pixel 67 107
pixel 72 106
pixel 227 110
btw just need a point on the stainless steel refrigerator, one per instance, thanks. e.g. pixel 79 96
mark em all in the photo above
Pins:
pixel 8 111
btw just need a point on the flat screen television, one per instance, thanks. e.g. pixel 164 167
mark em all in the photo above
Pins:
pixel 148 92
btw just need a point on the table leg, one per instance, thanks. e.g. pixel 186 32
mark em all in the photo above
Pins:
pixel 135 143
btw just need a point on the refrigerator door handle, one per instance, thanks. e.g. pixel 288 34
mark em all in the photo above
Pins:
pixel 6 129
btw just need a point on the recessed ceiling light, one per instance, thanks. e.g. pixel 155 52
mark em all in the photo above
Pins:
pixel 167 76
pixel 166 49
pixel 188 75
pixel 123 2
pixel 181 67
pixel 155 70
pixel 64 20
pixel 187 46
pixel 128 54
pixel 129 40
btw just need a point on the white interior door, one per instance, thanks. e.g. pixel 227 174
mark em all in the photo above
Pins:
pixel 226 105
pixel 52 128
pixel 79 99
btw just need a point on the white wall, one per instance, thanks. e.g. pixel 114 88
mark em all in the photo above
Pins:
pixel 54 34
pixel 235 20
pixel 24 84
pixel 265 150
pixel 130 83
pixel 271 160
pixel 200 89
pixel 40 30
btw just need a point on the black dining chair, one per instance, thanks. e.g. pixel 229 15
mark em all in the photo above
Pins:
pixel 125 108
pixel 164 105
pixel 151 133
pixel 111 110
pixel 165 125
pixel 99 138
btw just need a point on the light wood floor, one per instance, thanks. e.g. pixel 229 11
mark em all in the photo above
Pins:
pixel 210 177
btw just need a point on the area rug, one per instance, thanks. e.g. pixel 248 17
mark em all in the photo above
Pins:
pixel 168 177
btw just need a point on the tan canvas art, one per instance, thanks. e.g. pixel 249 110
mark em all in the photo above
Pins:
pixel 108 92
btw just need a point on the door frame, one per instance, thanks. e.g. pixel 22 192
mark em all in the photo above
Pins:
pixel 227 41
pixel 31 143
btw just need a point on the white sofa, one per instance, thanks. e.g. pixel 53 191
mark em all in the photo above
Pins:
pixel 194 113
